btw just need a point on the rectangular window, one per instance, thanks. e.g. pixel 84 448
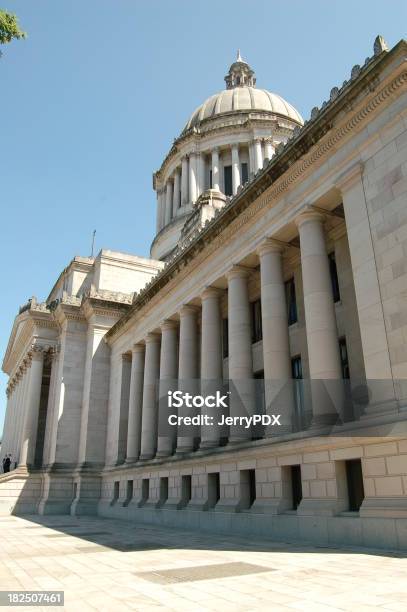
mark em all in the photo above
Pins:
pixel 343 351
pixel 244 173
pixel 334 277
pixel 225 338
pixel 296 367
pixel 291 301
pixel 163 489
pixel 116 492
pixel 145 489
pixel 227 175
pixel 213 489
pixel 186 490
pixel 247 488
pixel 129 493
pixel 210 179
pixel 257 329
pixel 354 477
pixel 296 485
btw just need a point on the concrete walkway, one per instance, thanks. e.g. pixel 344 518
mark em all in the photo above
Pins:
pixel 102 564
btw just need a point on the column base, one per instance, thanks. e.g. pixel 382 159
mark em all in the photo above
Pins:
pixel 208 445
pixel 57 494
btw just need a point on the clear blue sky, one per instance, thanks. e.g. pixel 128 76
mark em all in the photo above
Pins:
pixel 92 100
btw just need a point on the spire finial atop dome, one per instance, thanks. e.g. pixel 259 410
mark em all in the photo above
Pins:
pixel 240 74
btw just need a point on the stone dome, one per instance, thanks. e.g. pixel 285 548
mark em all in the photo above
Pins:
pixel 240 95
pixel 243 98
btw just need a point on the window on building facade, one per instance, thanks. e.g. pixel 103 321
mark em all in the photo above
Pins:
pixel 296 367
pixel 257 329
pixel 244 173
pixel 227 175
pixel 343 351
pixel 334 277
pixel 225 338
pixel 354 477
pixel 296 485
pixel 210 180
pixel 291 301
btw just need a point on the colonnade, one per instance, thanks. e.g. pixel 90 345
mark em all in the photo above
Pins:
pixel 190 179
pixel 174 353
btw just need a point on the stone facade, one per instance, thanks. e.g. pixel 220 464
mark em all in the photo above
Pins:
pixel 299 281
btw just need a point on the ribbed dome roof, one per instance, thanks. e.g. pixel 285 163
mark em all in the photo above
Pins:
pixel 242 98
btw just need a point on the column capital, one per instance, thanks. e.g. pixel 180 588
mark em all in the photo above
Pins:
pixel 235 146
pixel 138 347
pixel 187 309
pixel 215 150
pixel 348 178
pixel 238 271
pixel 152 338
pixel 309 214
pixel 211 292
pixel 168 324
pixel 270 245
pixel 126 356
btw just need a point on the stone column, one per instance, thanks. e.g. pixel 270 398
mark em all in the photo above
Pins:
pixel 177 194
pixel 159 211
pixel 268 149
pixel 235 168
pixel 184 181
pixel 240 351
pixel 258 155
pixel 135 403
pixel 201 174
pixel 149 417
pixel 187 372
pixel 211 362
pixel 192 177
pixel 31 407
pixel 215 169
pixel 372 325
pixel 168 202
pixel 320 319
pixel 167 435
pixel 276 342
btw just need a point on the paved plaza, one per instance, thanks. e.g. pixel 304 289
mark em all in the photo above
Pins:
pixel 102 564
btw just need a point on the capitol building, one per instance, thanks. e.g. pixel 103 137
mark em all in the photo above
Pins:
pixel 277 279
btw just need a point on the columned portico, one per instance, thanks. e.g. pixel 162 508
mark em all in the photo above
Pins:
pixel 150 408
pixel 135 403
pixel 211 361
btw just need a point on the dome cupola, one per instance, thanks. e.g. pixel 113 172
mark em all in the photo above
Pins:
pixel 240 74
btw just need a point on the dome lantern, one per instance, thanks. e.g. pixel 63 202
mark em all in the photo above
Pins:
pixel 240 74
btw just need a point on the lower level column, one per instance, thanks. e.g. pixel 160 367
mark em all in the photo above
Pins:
pixel 187 374
pixel 135 403
pixel 150 408
pixel 31 408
